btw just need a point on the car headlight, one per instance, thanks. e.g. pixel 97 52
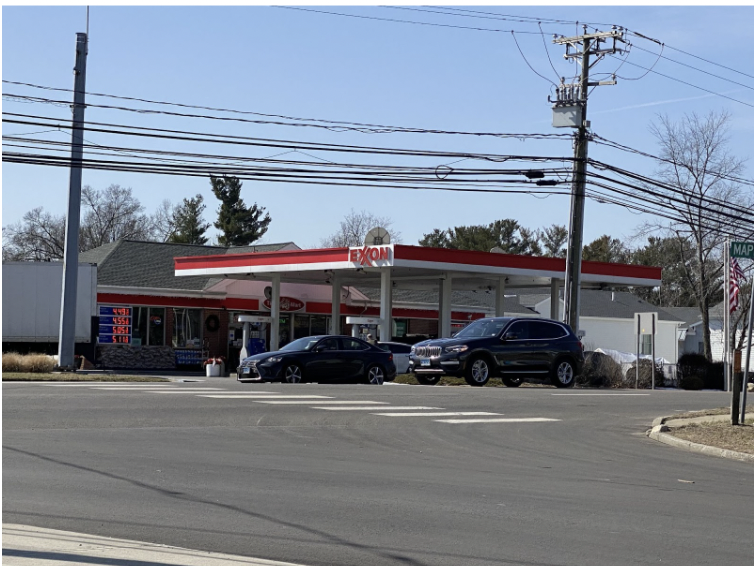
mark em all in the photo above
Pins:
pixel 455 349
pixel 412 350
pixel 274 360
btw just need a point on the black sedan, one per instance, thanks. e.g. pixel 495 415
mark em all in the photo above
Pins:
pixel 321 358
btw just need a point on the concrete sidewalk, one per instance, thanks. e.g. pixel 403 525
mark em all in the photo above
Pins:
pixel 34 546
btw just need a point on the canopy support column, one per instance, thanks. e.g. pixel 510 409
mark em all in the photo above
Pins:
pixel 386 320
pixel 275 311
pixel 335 305
pixel 500 288
pixel 554 298
pixel 444 306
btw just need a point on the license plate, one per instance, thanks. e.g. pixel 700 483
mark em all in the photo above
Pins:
pixel 424 362
pixel 245 370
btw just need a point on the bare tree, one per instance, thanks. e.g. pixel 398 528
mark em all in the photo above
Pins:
pixel 113 214
pixel 354 228
pixel 696 161
pixel 163 225
pixel 106 216
pixel 40 236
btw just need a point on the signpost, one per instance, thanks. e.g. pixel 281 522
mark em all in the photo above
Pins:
pixel 742 250
pixel 646 323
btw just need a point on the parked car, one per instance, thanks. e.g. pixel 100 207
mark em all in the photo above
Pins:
pixel 321 358
pixel 509 348
pixel 401 354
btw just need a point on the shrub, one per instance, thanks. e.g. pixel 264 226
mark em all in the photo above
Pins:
pixel 12 362
pixel 600 371
pixel 692 365
pixel 644 375
pixel 30 363
pixel 691 383
pixel 714 376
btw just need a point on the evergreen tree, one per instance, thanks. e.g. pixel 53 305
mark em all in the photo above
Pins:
pixel 239 225
pixel 188 227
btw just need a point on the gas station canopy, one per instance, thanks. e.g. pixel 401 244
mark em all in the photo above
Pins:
pixel 411 267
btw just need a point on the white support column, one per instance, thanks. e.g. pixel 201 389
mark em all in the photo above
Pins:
pixel 444 306
pixel 554 298
pixel 500 288
pixel 275 312
pixel 386 320
pixel 335 305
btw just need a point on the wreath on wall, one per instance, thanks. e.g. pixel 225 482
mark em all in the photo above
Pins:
pixel 212 323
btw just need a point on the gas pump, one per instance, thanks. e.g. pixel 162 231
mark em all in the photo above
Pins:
pixel 252 344
pixel 363 325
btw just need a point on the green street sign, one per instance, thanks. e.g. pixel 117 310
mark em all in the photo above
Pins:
pixel 741 249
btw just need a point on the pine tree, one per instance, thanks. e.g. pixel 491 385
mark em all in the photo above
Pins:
pixel 188 227
pixel 239 225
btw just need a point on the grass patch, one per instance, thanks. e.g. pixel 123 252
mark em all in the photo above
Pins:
pixel 719 434
pixel 18 376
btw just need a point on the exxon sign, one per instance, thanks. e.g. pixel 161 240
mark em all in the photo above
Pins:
pixel 371 256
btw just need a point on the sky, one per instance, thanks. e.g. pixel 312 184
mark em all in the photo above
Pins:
pixel 302 63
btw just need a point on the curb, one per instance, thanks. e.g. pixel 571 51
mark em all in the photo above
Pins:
pixel 661 426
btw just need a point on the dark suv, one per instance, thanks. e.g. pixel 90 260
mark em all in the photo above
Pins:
pixel 510 348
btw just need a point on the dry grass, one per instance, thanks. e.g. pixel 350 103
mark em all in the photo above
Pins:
pixel 14 376
pixel 30 363
pixel 719 434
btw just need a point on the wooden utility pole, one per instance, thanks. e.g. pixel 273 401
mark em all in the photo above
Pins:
pixel 575 96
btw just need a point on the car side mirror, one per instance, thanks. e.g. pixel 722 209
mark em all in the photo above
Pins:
pixel 320 349
pixel 453 334
pixel 510 336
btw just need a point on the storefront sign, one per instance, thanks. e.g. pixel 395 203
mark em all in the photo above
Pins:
pixel 371 255
pixel 286 304
pixel 115 325
pixel 741 250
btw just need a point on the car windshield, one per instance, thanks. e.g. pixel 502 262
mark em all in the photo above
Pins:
pixel 482 327
pixel 300 345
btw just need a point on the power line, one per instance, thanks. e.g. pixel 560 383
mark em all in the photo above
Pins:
pixel 683 82
pixel 343 125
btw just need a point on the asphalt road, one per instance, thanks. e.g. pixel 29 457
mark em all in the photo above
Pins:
pixel 342 485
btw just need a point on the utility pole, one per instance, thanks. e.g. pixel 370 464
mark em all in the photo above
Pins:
pixel 571 110
pixel 67 334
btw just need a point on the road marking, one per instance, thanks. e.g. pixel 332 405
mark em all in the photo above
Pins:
pixel 105 384
pixel 269 396
pixel 373 408
pixel 373 403
pixel 513 420
pixel 600 394
pixel 454 414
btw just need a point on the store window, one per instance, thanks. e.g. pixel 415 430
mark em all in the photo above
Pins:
pixel 301 326
pixel 187 328
pixel 319 325
pixel 646 344
pixel 148 326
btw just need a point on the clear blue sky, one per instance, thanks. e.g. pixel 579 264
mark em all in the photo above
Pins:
pixel 306 64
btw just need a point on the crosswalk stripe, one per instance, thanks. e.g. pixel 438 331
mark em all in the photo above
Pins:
pixel 360 408
pixel 450 414
pixel 372 403
pixel 258 396
pixel 512 420
pixel 600 394
pixel 105 384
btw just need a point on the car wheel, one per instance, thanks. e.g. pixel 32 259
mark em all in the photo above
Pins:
pixel 478 372
pixel 292 373
pixel 427 379
pixel 375 375
pixel 563 374
pixel 512 381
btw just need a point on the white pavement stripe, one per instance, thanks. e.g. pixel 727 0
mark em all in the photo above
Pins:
pixel 454 414
pixel 372 403
pixel 513 420
pixel 373 408
pixel 601 394
pixel 159 389
pixel 106 384
pixel 257 396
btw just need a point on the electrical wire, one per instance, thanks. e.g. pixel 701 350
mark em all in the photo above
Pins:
pixel 528 64
pixel 683 82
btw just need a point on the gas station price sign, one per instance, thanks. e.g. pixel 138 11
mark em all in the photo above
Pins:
pixel 115 325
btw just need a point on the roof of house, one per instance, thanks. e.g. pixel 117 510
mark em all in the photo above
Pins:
pixel 617 304
pixel 689 315
pixel 130 263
